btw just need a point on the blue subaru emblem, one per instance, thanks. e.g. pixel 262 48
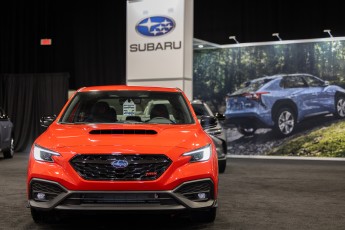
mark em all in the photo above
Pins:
pixel 119 164
pixel 155 26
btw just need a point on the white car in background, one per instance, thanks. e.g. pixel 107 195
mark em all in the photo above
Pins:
pixel 214 129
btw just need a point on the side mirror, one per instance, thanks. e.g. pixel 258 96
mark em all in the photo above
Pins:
pixel 220 116
pixel 3 115
pixel 208 121
pixel 326 83
pixel 46 121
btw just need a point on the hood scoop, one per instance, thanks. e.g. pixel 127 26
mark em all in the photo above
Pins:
pixel 123 131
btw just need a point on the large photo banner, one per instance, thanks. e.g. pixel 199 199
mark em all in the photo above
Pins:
pixel 223 70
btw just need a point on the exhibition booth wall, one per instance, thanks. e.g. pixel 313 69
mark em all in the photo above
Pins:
pixel 223 69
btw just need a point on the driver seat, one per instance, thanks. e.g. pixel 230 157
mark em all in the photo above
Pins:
pixel 159 110
pixel 102 112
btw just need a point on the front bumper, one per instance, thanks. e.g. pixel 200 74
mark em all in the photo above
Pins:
pixel 48 195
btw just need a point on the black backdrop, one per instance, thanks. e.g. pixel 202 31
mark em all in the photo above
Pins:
pixel 88 39
pixel 28 97
pixel 88 48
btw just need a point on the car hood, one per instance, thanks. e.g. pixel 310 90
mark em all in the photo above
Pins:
pixel 124 137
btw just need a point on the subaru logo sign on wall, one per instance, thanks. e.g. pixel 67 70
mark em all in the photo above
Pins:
pixel 119 164
pixel 155 26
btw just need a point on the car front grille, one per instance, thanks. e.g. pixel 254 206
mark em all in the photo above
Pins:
pixel 120 167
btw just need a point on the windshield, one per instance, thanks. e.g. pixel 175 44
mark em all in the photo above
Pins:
pixel 127 107
pixel 251 86
pixel 201 110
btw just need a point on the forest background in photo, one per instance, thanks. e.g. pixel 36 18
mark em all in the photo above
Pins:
pixel 217 72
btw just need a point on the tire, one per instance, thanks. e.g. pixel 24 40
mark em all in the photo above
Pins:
pixel 8 153
pixel 246 131
pixel 204 216
pixel 37 216
pixel 284 122
pixel 340 107
pixel 43 216
pixel 222 166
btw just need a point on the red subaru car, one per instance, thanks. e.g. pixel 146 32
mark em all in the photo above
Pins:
pixel 124 148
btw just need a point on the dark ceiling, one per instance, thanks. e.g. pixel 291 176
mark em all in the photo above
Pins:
pixel 255 21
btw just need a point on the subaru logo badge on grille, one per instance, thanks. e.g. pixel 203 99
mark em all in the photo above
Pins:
pixel 119 164
pixel 155 26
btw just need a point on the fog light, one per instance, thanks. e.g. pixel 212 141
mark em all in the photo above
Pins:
pixel 41 196
pixel 202 195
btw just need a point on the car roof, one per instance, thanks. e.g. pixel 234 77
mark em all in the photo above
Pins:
pixel 125 87
pixel 197 101
pixel 279 76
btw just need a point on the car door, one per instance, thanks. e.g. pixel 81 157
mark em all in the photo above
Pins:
pixel 319 99
pixel 297 90
pixel 5 129
pixel 2 124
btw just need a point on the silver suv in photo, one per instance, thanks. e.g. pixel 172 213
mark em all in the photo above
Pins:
pixel 281 102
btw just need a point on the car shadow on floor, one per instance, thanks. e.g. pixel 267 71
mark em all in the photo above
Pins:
pixel 122 221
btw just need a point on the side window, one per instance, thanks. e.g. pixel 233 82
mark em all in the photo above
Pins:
pixel 293 82
pixel 200 110
pixel 313 82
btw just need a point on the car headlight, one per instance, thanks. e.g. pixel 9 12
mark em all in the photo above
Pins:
pixel 202 154
pixel 42 154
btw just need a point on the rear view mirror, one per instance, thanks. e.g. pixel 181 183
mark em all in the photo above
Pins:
pixel 46 121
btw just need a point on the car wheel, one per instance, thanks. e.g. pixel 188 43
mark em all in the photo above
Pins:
pixel 246 131
pixel 340 107
pixel 205 216
pixel 37 216
pixel 43 216
pixel 222 166
pixel 285 122
pixel 8 153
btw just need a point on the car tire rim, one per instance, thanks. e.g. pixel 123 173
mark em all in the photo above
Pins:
pixel 286 122
pixel 249 130
pixel 246 131
pixel 341 107
pixel 12 147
